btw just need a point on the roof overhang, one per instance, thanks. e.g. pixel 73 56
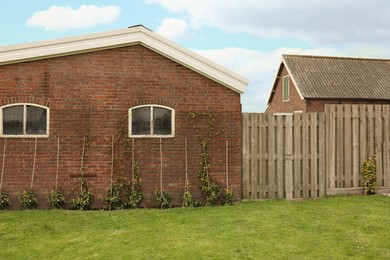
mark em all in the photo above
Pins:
pixel 120 38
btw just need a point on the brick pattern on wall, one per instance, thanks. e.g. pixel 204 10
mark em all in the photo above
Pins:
pixel 295 103
pixel 89 94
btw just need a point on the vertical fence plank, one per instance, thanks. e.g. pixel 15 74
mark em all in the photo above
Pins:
pixel 355 146
pixel 313 155
pixel 386 143
pixel 331 146
pixel 297 156
pixel 363 137
pixel 370 131
pixel 280 156
pixel 340 148
pixel 347 146
pixel 288 158
pixel 254 150
pixel 271 176
pixel 321 155
pixel 305 155
pixel 378 143
pixel 263 156
pixel 246 156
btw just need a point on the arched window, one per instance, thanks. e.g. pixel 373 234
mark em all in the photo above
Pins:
pixel 24 120
pixel 151 121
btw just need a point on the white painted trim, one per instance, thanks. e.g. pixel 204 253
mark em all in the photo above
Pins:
pixel 274 84
pixel 24 135
pixel 288 88
pixel 119 38
pixel 293 80
pixel 151 123
pixel 282 114
pixel 277 77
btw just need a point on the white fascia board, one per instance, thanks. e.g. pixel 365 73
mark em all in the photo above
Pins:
pixel 195 62
pixel 274 82
pixel 125 37
pixel 293 80
pixel 66 46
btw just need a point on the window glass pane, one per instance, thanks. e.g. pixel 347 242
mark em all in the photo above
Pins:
pixel 36 120
pixel 140 121
pixel 13 120
pixel 286 89
pixel 162 121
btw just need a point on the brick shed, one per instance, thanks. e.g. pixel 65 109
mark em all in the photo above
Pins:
pixel 60 97
pixel 306 83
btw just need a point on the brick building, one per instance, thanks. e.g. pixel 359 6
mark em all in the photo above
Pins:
pixel 307 83
pixel 60 97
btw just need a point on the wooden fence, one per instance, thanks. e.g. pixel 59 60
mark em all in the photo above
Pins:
pixel 314 154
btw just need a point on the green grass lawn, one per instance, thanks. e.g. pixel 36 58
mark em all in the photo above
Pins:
pixel 331 228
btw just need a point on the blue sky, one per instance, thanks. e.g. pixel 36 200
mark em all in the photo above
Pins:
pixel 246 36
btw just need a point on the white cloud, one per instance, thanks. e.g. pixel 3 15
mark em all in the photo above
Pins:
pixel 259 67
pixel 172 28
pixel 317 22
pixel 63 18
pixel 331 27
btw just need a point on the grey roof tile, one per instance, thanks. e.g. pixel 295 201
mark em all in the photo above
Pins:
pixel 340 78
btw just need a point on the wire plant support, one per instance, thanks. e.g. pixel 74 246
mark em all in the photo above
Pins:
pixel 132 164
pixel 112 163
pixel 161 168
pixel 186 162
pixel 58 160
pixel 2 166
pixel 227 165
pixel 35 158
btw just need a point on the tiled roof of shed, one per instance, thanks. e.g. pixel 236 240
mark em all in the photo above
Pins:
pixel 340 78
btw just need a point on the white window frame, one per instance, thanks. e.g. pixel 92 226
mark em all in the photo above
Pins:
pixel 288 89
pixel 151 135
pixel 24 135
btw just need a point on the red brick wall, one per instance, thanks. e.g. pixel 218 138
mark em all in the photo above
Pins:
pixel 90 94
pixel 295 103
pixel 318 105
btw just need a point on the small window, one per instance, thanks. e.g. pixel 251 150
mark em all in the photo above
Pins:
pixel 286 88
pixel 24 120
pixel 151 121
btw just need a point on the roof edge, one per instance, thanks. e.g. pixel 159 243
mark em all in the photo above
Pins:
pixel 293 78
pixel 334 57
pixel 120 38
pixel 271 93
pixel 281 64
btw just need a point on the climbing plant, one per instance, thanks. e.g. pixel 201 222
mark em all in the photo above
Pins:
pixel 162 199
pixel 207 184
pixel 134 195
pixel 56 199
pixel 124 192
pixel 228 197
pixel 188 201
pixel 84 199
